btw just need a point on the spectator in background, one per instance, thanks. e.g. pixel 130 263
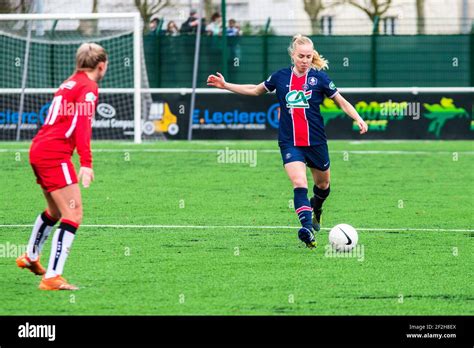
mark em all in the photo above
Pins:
pixel 215 27
pixel 191 24
pixel 153 26
pixel 233 29
pixel 172 29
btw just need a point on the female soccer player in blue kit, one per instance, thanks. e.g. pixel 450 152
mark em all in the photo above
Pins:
pixel 300 90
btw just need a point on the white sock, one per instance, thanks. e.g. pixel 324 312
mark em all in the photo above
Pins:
pixel 39 234
pixel 62 241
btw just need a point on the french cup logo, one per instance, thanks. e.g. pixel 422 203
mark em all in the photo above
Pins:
pixel 298 99
pixel 313 81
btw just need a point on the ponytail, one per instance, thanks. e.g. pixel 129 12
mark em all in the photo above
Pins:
pixel 319 62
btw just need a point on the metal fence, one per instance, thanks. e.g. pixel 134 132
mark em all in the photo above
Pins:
pixel 354 61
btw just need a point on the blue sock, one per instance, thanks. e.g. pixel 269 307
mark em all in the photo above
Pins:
pixel 302 207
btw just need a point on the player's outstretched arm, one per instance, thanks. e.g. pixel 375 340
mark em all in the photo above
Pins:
pixel 218 81
pixel 351 112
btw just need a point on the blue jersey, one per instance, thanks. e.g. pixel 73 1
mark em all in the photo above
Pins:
pixel 301 123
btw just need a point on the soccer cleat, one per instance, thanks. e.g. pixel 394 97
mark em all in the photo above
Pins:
pixel 317 219
pixel 56 283
pixel 307 237
pixel 34 266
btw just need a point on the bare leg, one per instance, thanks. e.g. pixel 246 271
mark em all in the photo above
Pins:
pixel 296 171
pixel 321 179
pixel 69 203
pixel 52 208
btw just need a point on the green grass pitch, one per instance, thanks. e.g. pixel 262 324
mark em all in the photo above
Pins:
pixel 412 201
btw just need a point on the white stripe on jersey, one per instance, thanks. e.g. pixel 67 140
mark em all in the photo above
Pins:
pixel 73 126
pixel 54 110
pixel 304 110
pixel 291 111
pixel 266 88
pixel 67 176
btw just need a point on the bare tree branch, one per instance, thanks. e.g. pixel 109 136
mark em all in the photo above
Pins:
pixel 420 16
pixel 387 6
pixel 360 7
pixel 149 9
pixel 314 7
pixel 159 6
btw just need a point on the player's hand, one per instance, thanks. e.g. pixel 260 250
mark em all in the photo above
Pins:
pixel 87 176
pixel 216 81
pixel 362 125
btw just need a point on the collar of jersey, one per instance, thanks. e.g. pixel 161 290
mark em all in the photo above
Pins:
pixel 298 75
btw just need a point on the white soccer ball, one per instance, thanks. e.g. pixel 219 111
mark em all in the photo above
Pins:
pixel 343 237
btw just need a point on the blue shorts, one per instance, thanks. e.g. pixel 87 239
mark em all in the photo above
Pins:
pixel 316 156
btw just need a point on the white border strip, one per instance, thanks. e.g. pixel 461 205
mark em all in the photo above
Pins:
pixel 40 16
pixel 184 91
pixel 369 229
pixel 355 152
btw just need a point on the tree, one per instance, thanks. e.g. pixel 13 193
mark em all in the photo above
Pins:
pixel 15 6
pixel 5 6
pixel 208 9
pixel 420 16
pixel 89 27
pixel 150 8
pixel 314 7
pixel 372 8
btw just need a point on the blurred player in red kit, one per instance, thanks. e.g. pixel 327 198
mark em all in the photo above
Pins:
pixel 68 126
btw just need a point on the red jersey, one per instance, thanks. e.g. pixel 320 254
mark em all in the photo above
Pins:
pixel 68 124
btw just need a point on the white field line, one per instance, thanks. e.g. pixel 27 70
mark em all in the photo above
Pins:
pixel 361 152
pixel 369 229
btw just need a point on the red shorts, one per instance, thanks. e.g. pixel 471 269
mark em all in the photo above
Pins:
pixel 55 176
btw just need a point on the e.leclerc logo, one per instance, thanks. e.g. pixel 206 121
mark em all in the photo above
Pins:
pixel 29 119
pixel 236 119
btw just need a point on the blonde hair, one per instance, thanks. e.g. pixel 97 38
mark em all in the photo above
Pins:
pixel 318 62
pixel 89 55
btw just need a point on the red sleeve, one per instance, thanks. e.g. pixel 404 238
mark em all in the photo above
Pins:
pixel 86 102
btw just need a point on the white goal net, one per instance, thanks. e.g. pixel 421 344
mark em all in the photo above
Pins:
pixel 37 53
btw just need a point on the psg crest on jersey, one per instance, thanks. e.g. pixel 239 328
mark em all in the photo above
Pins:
pixel 313 81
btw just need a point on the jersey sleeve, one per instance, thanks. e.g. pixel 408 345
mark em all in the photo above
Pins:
pixel 270 83
pixel 86 102
pixel 329 88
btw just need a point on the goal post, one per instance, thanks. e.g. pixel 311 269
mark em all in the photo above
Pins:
pixel 37 53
